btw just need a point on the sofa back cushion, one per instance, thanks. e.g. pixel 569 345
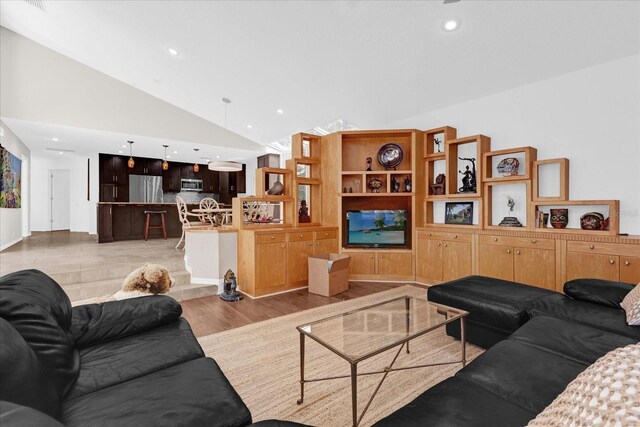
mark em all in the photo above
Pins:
pixel 631 306
pixel 39 310
pixel 24 380
pixel 598 291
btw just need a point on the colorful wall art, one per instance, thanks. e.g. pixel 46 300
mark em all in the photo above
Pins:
pixel 10 179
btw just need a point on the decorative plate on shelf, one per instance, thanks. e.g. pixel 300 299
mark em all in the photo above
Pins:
pixel 509 166
pixel 390 155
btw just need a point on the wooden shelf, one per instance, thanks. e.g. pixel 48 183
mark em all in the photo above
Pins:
pixel 530 155
pixel 456 226
pixel 488 205
pixel 612 205
pixel 268 198
pixel 563 185
pixel 381 172
pixel 437 156
pixel 432 197
pixel 376 194
pixel 306 161
pixel 483 145
pixel 307 181
pixel 449 133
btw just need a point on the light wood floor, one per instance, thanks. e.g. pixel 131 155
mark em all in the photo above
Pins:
pixel 209 315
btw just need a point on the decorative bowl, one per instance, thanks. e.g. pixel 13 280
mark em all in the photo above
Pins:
pixel 509 166
pixel 390 155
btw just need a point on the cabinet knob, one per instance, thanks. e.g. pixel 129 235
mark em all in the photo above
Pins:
pixel 381 256
pixel 439 243
pixel 627 263
pixel 508 251
pixel 495 239
pixel 429 234
pixel 455 236
pixel 611 261
pixel 445 245
pixel 371 257
pixel 517 252
pixel 317 243
pixel 310 243
pixel 301 236
pixel 534 241
pixel 591 246
pixel 273 237
pixel 282 246
pixel 326 234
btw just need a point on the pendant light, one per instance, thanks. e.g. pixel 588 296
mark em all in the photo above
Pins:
pixel 131 163
pixel 165 164
pixel 225 166
pixel 196 166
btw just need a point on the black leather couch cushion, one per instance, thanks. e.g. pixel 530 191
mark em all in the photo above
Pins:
pixel 587 313
pixel 23 380
pixel 195 393
pixel 521 374
pixel 277 423
pixel 134 356
pixel 580 343
pixel 456 402
pixel 23 416
pixel 39 310
pixel 604 292
pixel 93 323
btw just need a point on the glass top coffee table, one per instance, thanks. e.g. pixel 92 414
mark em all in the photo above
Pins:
pixel 363 333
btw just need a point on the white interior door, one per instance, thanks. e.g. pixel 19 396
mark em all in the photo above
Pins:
pixel 60 196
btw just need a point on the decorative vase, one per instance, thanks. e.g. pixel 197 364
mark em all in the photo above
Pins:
pixel 559 218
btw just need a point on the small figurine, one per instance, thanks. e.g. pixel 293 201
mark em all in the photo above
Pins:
pixel 344 189
pixel 407 184
pixel 395 185
pixel 438 188
pixel 437 142
pixel 510 203
pixel 374 184
pixel 369 162
pixel 510 221
pixel 230 292
pixel 350 189
pixel 469 177
pixel 303 212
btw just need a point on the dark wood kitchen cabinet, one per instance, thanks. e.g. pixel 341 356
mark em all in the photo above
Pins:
pixel 171 178
pixel 211 181
pixel 145 166
pixel 114 178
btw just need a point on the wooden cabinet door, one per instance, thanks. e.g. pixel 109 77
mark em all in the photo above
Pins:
pixel 456 260
pixel 325 246
pixel 105 224
pixel 154 167
pixel 629 269
pixel 186 171
pixel 429 259
pixel 107 175
pixel 594 266
pixel 241 180
pixel 535 267
pixel 362 263
pixel 495 261
pixel 392 264
pixel 139 166
pixel 122 227
pixel 271 260
pixel 298 254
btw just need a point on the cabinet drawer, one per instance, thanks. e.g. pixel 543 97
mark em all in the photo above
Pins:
pixel 270 238
pixel 326 234
pixel 440 235
pixel 604 248
pixel 522 242
pixel 298 237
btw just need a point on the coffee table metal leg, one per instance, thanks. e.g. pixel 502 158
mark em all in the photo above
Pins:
pixel 301 369
pixel 408 308
pixel 354 393
pixel 463 340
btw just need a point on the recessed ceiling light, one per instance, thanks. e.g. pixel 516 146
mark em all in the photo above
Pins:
pixel 451 25
pixel 175 151
pixel 280 111
pixel 123 146
pixel 168 156
pixel 60 152
pixel 119 151
pixel 217 157
pixel 173 52
pixel 249 126
pixel 55 139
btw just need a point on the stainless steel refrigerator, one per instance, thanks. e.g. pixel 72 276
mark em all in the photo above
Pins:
pixel 144 188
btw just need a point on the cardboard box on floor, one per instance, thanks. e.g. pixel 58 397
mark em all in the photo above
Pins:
pixel 328 274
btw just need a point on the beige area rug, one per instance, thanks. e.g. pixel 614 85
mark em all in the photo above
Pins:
pixel 261 361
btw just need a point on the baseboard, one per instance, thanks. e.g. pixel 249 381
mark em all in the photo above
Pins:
pixel 11 243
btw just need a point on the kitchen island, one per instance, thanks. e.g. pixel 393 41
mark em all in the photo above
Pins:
pixel 125 220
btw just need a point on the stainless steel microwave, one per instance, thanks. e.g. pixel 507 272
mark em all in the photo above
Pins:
pixel 191 185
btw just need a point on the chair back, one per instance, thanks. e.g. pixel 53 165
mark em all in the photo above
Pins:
pixel 182 210
pixel 209 203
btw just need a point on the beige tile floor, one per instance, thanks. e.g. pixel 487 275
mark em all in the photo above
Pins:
pixel 87 269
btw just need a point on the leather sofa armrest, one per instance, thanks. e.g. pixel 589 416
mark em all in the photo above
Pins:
pixel 94 323
pixel 12 414
pixel 598 291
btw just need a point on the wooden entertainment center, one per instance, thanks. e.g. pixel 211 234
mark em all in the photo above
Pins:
pixel 334 170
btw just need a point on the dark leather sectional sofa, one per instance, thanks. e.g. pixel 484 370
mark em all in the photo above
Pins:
pixel 538 341
pixel 122 363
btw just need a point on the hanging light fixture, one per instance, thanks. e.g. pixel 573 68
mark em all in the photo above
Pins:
pixel 196 166
pixel 225 166
pixel 165 164
pixel 131 163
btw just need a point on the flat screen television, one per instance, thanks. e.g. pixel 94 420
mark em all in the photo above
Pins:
pixel 376 228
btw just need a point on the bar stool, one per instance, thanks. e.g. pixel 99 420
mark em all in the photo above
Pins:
pixel 147 227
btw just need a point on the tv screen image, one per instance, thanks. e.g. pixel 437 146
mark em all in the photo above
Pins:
pixel 373 228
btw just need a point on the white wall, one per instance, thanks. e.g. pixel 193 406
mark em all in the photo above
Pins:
pixel 591 117
pixel 83 211
pixel 11 222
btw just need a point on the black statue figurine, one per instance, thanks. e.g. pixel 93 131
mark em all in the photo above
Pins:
pixel 468 177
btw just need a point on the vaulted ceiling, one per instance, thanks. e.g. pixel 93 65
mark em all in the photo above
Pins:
pixel 370 63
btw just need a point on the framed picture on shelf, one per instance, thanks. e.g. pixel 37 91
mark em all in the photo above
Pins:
pixel 458 213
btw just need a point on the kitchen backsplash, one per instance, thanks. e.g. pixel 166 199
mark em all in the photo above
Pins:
pixel 189 196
